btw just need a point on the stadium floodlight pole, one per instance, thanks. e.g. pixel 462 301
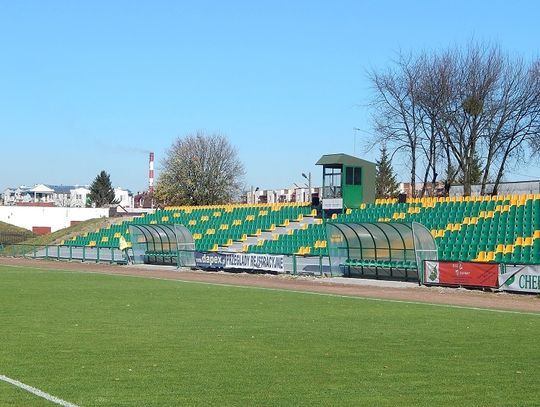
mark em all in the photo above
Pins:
pixel 308 177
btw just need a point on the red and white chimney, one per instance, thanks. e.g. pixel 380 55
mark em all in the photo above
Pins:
pixel 151 174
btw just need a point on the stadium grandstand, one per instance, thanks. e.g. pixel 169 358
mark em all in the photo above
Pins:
pixel 502 229
pixel 343 231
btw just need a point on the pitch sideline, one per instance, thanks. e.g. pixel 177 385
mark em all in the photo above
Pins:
pixel 37 392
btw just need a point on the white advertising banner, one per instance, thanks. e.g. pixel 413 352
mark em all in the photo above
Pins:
pixel 248 261
pixel 521 278
pixel 253 261
pixel 332 203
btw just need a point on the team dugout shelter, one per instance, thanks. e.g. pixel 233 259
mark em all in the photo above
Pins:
pixel 162 244
pixel 380 250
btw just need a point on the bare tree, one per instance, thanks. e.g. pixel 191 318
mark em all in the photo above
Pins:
pixel 200 169
pixel 396 115
pixel 433 96
pixel 516 119
pixel 459 105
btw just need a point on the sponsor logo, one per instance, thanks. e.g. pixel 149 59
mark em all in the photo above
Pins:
pixel 434 275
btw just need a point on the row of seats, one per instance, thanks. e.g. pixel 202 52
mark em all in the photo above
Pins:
pixel 308 241
pixel 486 229
pixel 211 226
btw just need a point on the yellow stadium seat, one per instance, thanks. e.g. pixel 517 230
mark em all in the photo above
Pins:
pixel 509 248
pixel 481 256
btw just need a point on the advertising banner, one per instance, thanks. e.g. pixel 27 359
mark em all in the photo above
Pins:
pixel 520 278
pixel 209 260
pixel 332 203
pixel 252 261
pixel 247 261
pixel 461 273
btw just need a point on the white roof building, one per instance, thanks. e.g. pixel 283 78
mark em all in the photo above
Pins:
pixel 69 196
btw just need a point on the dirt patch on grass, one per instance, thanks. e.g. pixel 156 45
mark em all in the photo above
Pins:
pixel 358 288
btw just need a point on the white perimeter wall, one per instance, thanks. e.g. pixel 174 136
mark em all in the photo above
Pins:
pixel 55 218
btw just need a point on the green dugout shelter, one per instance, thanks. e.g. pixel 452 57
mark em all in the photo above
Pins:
pixel 347 181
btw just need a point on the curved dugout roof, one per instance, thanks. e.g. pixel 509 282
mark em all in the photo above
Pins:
pixel 173 241
pixel 391 244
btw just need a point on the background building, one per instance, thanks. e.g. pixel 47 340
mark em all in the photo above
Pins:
pixel 66 196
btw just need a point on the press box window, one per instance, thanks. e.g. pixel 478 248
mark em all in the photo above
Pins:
pixel 353 176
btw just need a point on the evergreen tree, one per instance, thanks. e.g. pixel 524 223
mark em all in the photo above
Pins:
pixel 101 191
pixel 476 169
pixel 387 185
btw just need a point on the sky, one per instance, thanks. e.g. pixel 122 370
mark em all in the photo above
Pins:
pixel 96 85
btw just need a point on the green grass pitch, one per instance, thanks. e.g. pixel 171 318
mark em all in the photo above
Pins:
pixel 101 340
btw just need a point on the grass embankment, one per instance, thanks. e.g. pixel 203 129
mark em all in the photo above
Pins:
pixel 56 238
pixel 13 234
pixel 102 340
pixel 68 233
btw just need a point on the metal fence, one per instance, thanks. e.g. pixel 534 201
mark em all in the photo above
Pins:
pixel 55 252
pixel 14 237
pixel 292 264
